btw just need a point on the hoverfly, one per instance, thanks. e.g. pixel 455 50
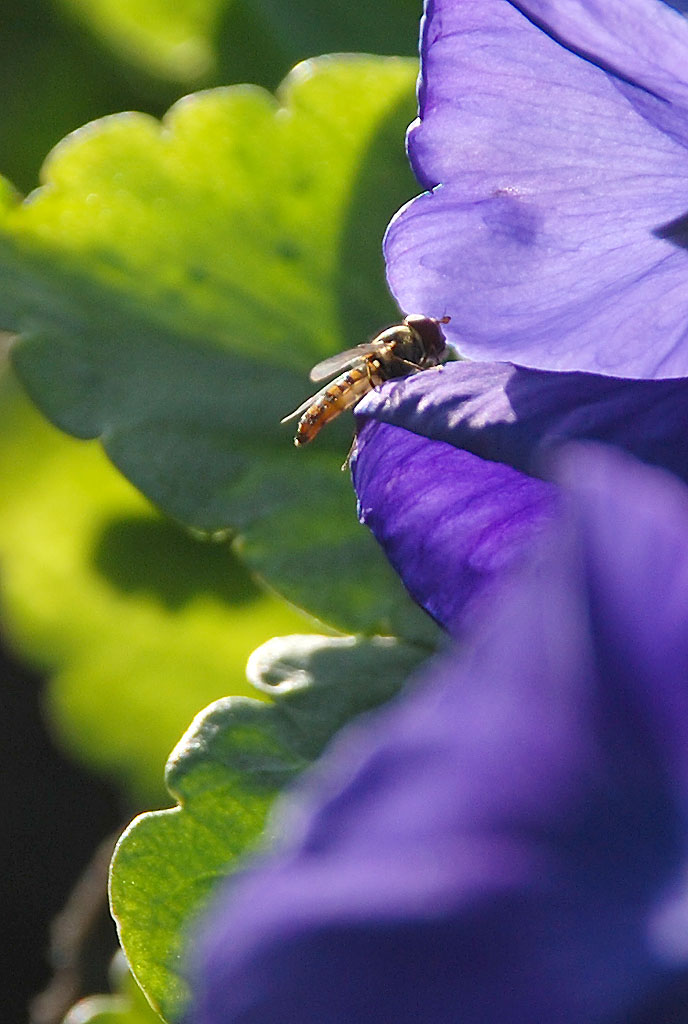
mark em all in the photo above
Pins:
pixel 409 347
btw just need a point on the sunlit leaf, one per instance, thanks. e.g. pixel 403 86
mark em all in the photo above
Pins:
pixel 172 286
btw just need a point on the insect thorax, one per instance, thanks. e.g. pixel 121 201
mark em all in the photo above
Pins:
pixel 401 346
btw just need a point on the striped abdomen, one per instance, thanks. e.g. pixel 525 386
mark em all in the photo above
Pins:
pixel 341 394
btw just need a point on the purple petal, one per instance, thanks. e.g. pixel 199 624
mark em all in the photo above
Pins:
pixel 452 525
pixel 515 414
pixel 558 237
pixel 502 844
pixel 452 498
pixel 642 41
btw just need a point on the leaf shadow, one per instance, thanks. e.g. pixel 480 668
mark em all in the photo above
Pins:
pixel 152 556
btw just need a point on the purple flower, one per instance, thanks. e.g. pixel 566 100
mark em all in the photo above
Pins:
pixel 554 138
pixel 508 842
pixel 448 465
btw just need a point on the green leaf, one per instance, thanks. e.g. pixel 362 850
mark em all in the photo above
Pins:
pixel 225 773
pixel 140 625
pixel 213 40
pixel 55 77
pixel 173 286
pixel 167 39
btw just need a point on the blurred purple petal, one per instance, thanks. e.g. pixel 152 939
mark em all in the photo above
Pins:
pixel 452 497
pixel 559 236
pixel 506 843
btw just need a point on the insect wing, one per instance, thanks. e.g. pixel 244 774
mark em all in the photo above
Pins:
pixel 301 409
pixel 343 360
pixel 305 405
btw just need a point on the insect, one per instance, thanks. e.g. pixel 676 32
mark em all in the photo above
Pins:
pixel 409 347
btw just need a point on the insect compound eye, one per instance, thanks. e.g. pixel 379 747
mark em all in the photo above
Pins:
pixel 429 331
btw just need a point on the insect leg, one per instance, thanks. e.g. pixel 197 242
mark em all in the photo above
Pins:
pixel 345 464
pixel 371 364
pixel 415 367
